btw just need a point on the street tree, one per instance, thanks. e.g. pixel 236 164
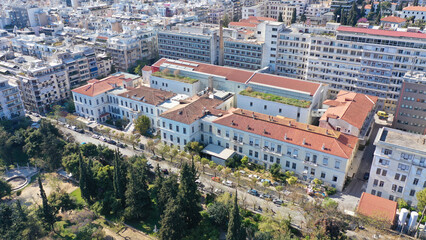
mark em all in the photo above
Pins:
pixel 142 124
pixel 194 148
pixel 204 161
pixel 163 150
pixel 421 199
pixel 173 153
pixel 150 145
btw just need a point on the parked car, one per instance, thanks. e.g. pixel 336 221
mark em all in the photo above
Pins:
pixel 73 128
pixel 254 176
pixel 165 171
pixel 102 138
pixel 216 179
pixel 278 201
pixel 218 191
pixel 95 136
pixel 112 142
pixel 155 157
pixel 265 180
pixel 366 176
pixel 266 196
pixel 228 183
pixel 79 130
pixel 120 145
pixel 253 192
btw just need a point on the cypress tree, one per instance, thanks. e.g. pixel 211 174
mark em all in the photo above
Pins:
pixel 189 197
pixel 362 13
pixel 293 16
pixel 138 202
pixel 235 230
pixel 168 190
pixel 280 17
pixel 353 14
pixel 172 222
pixel 119 178
pixel 90 180
pixel 47 212
pixel 342 17
pixel 83 178
pixel 336 13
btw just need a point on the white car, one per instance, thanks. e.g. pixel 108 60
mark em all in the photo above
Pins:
pixel 254 176
pixel 228 183
pixel 95 136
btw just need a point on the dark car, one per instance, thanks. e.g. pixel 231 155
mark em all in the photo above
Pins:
pixel 79 130
pixel 112 142
pixel 253 192
pixel 120 145
pixel 165 171
pixel 366 176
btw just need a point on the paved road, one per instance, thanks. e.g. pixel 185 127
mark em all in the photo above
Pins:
pixel 245 198
pixel 358 185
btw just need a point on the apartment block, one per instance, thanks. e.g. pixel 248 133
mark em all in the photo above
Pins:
pixel 410 114
pixel 361 60
pixel 42 84
pixel 10 100
pixel 399 165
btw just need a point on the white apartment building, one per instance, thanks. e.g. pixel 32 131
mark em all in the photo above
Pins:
pixel 197 43
pixel 254 11
pixel 254 91
pixel 362 60
pixel 42 85
pixel 399 165
pixel 418 12
pixel 10 100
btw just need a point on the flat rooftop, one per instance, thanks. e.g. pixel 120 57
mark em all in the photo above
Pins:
pixel 403 139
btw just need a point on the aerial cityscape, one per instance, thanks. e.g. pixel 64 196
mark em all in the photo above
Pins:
pixel 212 119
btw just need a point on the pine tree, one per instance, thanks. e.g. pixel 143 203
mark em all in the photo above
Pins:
pixel 378 14
pixel 293 16
pixel 353 15
pixel 90 181
pixel 172 222
pixel 235 230
pixel 47 212
pixel 189 197
pixel 138 202
pixel 119 178
pixel 342 17
pixel 280 17
pixel 159 179
pixel 303 18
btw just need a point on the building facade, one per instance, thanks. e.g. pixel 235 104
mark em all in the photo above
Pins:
pixel 10 101
pixel 399 165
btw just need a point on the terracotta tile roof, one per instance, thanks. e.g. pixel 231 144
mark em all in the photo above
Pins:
pixel 378 32
pixel 377 207
pixel 146 68
pixel 147 95
pixel 287 83
pixel 415 8
pixel 243 24
pixel 300 134
pixel 243 76
pixel 350 107
pixel 101 37
pixel 368 6
pixel 264 18
pixel 393 19
pixel 95 87
pixel 193 109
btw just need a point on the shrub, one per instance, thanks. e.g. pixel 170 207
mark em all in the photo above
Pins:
pixel 330 191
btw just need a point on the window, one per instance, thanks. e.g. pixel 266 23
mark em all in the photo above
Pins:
pixel 325 161
pixel 403 167
pixel 227 133
pixel 278 160
pixel 322 174
pixel 394 186
pixel 165 136
pixel 412 192
pixel 407 156
pixel 386 151
pixel 265 157
pixel 384 162
pixel 170 126
pixel 295 153
pixel 271 158
pixel 227 145
pixel 378 171
pixel 177 128
pixel 375 182
pixel 416 181
pixel 307 157
pixel 250 153
pixel 397 176
pixel 419 171
pixel 240 149
pixel 379 194
pixel 312 171
pixel 403 178
pixel 391 197
pixel 289 151
pixel 373 192
pixel 334 179
pixel 384 172
pixel 219 131
pixel 184 130
pixel 293 166
pixel 381 184
pixel 400 188
pixel 337 165
pixel 314 158
pixel 278 148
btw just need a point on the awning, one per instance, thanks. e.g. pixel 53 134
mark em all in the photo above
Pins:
pixel 218 151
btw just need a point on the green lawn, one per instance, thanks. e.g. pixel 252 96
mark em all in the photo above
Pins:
pixel 175 77
pixel 276 98
pixel 77 194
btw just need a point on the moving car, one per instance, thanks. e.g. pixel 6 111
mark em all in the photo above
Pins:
pixel 366 176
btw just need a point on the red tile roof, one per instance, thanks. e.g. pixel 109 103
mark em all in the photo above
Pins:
pixel 263 18
pixel 368 6
pixel 193 109
pixel 146 68
pixel 393 19
pixel 300 134
pixel 243 76
pixel 377 207
pixel 147 95
pixel 377 32
pixel 95 87
pixel 287 83
pixel 415 8
pixel 243 24
pixel 350 107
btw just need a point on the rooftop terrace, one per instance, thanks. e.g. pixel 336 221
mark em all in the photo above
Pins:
pixel 175 77
pixel 276 98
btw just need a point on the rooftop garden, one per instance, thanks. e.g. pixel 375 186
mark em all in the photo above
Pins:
pixel 175 76
pixel 275 98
